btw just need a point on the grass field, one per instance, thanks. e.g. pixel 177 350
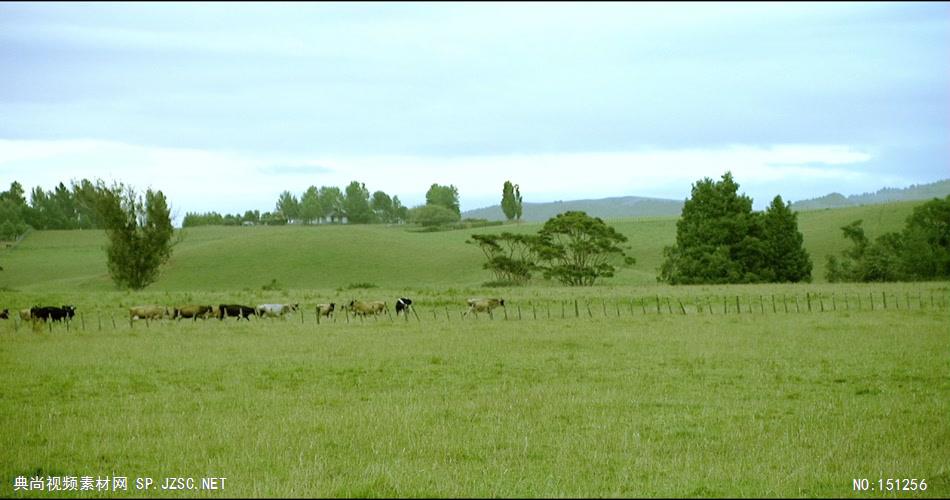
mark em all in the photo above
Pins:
pixel 625 389
pixel 672 405
pixel 331 257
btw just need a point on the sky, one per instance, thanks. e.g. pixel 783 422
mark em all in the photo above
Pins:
pixel 223 106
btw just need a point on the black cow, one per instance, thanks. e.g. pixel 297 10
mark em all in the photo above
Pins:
pixel 403 305
pixel 55 313
pixel 5 314
pixel 234 310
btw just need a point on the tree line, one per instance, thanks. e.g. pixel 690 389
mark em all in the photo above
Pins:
pixel 62 207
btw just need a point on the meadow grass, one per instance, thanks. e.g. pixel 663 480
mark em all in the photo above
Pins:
pixel 334 256
pixel 630 405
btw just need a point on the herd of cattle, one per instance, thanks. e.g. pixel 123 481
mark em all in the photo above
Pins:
pixel 222 311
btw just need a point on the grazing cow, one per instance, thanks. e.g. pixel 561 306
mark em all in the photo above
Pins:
pixel 149 312
pixel 234 310
pixel 361 308
pixel 54 313
pixel 276 310
pixel 483 305
pixel 25 314
pixel 5 314
pixel 326 309
pixel 194 311
pixel 403 305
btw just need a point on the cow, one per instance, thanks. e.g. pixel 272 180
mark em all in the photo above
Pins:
pixel 25 314
pixel 5 314
pixel 149 312
pixel 483 305
pixel 403 305
pixel 194 311
pixel 326 309
pixel 276 310
pixel 55 313
pixel 235 310
pixel 361 308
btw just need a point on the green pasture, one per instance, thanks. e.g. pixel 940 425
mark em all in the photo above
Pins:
pixel 626 389
pixel 622 403
pixel 334 256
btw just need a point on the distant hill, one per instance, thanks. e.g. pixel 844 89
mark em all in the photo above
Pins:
pixel 624 206
pixel 937 189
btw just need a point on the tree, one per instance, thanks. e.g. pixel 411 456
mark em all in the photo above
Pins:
pixel 400 212
pixel 577 249
pixel 444 196
pixel 785 252
pixel 310 208
pixel 288 206
pixel 356 204
pixel 432 215
pixel 718 238
pixel 510 257
pixel 382 206
pixel 139 234
pixel 13 212
pixel 331 200
pixel 926 238
pixel 518 205
pixel 509 204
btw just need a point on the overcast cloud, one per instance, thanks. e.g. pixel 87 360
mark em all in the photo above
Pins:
pixel 223 106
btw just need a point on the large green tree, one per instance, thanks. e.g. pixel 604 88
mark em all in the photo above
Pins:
pixel 139 232
pixel 356 204
pixel 331 199
pixel 787 259
pixel 577 249
pixel 444 196
pixel 718 237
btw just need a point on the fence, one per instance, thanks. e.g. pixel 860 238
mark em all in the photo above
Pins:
pixel 653 305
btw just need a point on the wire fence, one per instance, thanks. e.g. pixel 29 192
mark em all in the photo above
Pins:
pixel 615 307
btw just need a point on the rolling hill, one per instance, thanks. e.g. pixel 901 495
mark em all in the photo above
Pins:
pixel 937 189
pixel 335 257
pixel 624 206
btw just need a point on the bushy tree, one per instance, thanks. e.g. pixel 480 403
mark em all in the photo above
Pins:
pixel 787 259
pixel 13 212
pixel 577 249
pixel 920 251
pixel 719 239
pixel 432 215
pixel 356 204
pixel 444 196
pixel 140 234
pixel 510 257
pixel 382 206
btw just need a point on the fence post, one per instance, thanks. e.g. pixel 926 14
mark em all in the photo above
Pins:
pixel 113 320
pixel 576 313
pixel 884 294
pixel 709 304
pixel 797 308
pixel 724 311
pixel 658 304
pixel 99 319
pixel 589 314
pixel 519 312
pixel 681 306
pixel 773 304
pixel 834 306
pixel 738 309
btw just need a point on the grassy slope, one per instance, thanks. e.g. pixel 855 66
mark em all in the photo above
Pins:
pixel 330 257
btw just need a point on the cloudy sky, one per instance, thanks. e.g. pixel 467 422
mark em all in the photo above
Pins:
pixel 223 106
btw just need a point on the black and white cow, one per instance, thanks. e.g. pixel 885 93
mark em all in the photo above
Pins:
pixel 54 313
pixel 235 310
pixel 403 305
